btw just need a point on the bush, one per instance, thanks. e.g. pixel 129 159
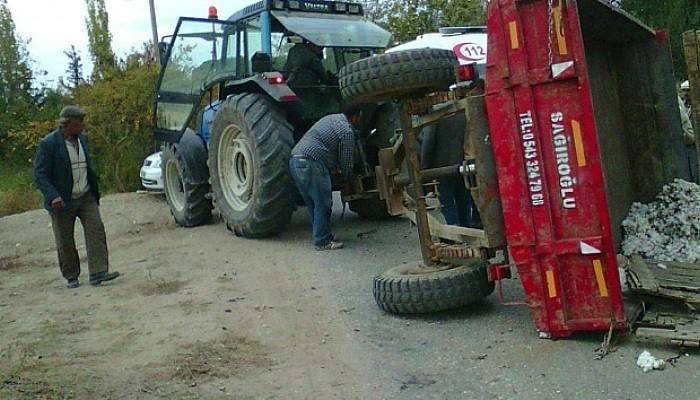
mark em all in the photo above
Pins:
pixel 119 124
pixel 17 191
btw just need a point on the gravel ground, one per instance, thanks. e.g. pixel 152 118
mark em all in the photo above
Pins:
pixel 202 314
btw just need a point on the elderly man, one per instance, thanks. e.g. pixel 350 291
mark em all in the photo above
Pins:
pixel 328 146
pixel 65 175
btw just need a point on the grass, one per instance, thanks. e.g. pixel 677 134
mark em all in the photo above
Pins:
pixel 222 357
pixel 160 287
pixel 17 191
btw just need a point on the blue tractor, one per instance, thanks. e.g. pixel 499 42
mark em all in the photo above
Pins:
pixel 235 95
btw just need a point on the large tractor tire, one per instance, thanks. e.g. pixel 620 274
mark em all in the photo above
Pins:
pixel 185 194
pixel 405 290
pixel 396 75
pixel 249 152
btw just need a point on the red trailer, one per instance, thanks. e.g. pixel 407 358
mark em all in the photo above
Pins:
pixel 581 106
pixel 580 120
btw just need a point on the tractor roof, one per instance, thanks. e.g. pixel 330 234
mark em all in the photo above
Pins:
pixel 314 6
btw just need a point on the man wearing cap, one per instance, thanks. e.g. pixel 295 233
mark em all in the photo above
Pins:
pixel 65 175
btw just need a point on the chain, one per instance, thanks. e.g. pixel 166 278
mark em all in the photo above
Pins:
pixel 550 12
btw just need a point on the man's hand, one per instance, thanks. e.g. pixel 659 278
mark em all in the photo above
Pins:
pixel 57 203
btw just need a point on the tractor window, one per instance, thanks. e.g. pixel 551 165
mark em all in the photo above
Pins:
pixel 230 59
pixel 280 49
pixel 195 59
pixel 253 41
pixel 336 58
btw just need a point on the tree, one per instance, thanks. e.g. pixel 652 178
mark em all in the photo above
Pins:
pixel 410 18
pixel 99 39
pixel 16 77
pixel 677 16
pixel 461 12
pixel 75 68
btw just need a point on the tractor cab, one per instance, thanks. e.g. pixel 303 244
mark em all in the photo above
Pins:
pixel 289 50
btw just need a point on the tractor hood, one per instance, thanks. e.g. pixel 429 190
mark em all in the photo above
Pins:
pixel 334 30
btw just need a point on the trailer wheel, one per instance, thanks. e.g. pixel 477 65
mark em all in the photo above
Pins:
pixel 187 201
pixel 249 153
pixel 401 290
pixel 394 75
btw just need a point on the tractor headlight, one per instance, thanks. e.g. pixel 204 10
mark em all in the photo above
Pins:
pixel 354 8
pixel 294 4
pixel 278 4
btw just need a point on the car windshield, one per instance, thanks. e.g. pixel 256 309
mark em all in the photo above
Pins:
pixel 334 30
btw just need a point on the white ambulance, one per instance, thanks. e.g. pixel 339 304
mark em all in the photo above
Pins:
pixel 468 44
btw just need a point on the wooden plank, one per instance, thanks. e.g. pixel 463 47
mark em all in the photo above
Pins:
pixel 473 237
pixel 450 109
pixel 678 337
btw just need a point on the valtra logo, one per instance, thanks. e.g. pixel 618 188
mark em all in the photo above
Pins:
pixel 470 52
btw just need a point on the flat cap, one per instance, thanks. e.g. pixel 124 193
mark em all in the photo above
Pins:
pixel 72 112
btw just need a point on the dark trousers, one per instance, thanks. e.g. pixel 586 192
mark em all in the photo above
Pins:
pixel 457 204
pixel 63 223
pixel 314 183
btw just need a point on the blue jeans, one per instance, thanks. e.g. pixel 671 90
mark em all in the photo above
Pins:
pixel 457 204
pixel 314 183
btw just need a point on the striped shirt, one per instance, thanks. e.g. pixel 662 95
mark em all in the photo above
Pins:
pixel 330 141
pixel 78 163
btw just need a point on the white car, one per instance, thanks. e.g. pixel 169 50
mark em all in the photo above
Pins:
pixel 151 174
pixel 468 44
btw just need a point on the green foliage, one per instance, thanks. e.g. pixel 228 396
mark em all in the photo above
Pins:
pixel 407 19
pixel 99 39
pixel 461 12
pixel 75 68
pixel 119 124
pixel 16 78
pixel 677 16
pixel 118 101
pixel 17 191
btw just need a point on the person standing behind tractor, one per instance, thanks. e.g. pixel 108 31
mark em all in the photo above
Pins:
pixel 304 66
pixel 443 146
pixel 65 175
pixel 688 131
pixel 327 146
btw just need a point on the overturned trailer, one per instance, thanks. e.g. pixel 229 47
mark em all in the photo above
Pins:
pixel 581 120
pixel 584 121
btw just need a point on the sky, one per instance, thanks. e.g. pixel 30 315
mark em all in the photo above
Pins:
pixel 52 26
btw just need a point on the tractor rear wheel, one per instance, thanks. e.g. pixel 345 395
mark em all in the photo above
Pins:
pixel 249 151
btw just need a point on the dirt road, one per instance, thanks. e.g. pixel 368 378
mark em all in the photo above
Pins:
pixel 199 313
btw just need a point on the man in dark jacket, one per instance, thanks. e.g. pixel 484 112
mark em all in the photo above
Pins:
pixel 64 174
pixel 442 146
pixel 304 66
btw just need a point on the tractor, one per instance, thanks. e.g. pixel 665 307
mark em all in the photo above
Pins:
pixel 230 108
